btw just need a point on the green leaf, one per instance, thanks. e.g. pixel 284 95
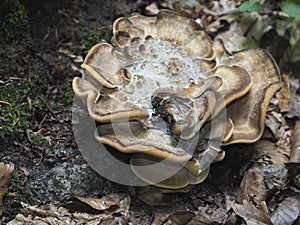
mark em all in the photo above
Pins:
pixel 291 7
pixel 250 5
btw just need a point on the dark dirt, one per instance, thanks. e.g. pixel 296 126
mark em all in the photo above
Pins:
pixel 48 164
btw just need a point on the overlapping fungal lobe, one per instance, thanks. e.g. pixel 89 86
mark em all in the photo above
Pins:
pixel 162 83
pixel 248 112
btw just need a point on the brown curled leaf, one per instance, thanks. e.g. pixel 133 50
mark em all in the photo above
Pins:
pixel 294 162
pixel 271 152
pixel 253 186
pixel 251 214
pixel 206 216
pixel 172 217
pixel 287 211
pixel 112 203
pixel 276 176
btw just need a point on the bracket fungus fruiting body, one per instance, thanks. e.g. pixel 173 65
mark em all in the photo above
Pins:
pixel 163 85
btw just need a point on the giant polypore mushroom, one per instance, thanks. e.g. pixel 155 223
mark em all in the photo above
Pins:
pixel 161 83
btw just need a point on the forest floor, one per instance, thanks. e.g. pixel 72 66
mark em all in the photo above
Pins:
pixel 43 44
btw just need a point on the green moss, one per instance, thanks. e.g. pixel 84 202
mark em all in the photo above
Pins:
pixel 21 105
pixel 68 97
pixel 15 116
pixel 16 180
pixel 14 25
pixel 100 35
pixel 38 142
pixel 17 187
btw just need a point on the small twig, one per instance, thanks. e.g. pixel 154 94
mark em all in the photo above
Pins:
pixel 5 102
pixel 17 120
pixel 29 103
pixel 45 37
pixel 16 78
pixel 48 107
pixel 43 120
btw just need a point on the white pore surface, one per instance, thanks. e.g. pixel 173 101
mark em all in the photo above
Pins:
pixel 165 65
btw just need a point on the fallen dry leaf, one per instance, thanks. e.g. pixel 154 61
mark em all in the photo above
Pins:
pixel 208 215
pixel 277 122
pixel 113 221
pixel 251 214
pixel 234 38
pixel 273 172
pixel 201 219
pixel 253 186
pixel 180 218
pixel 281 131
pixel 276 176
pixel 219 23
pixel 6 171
pixel 245 31
pixel 161 216
pixel 287 212
pixel 172 217
pixel 222 7
pixel 113 203
pixel 294 162
pixel 190 8
pixel 272 153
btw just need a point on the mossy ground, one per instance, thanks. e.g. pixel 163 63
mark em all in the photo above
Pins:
pixel 22 89
pixel 36 93
pixel 22 105
pixel 15 23
pixel 99 35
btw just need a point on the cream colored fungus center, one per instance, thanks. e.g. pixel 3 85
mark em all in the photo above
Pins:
pixel 165 65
